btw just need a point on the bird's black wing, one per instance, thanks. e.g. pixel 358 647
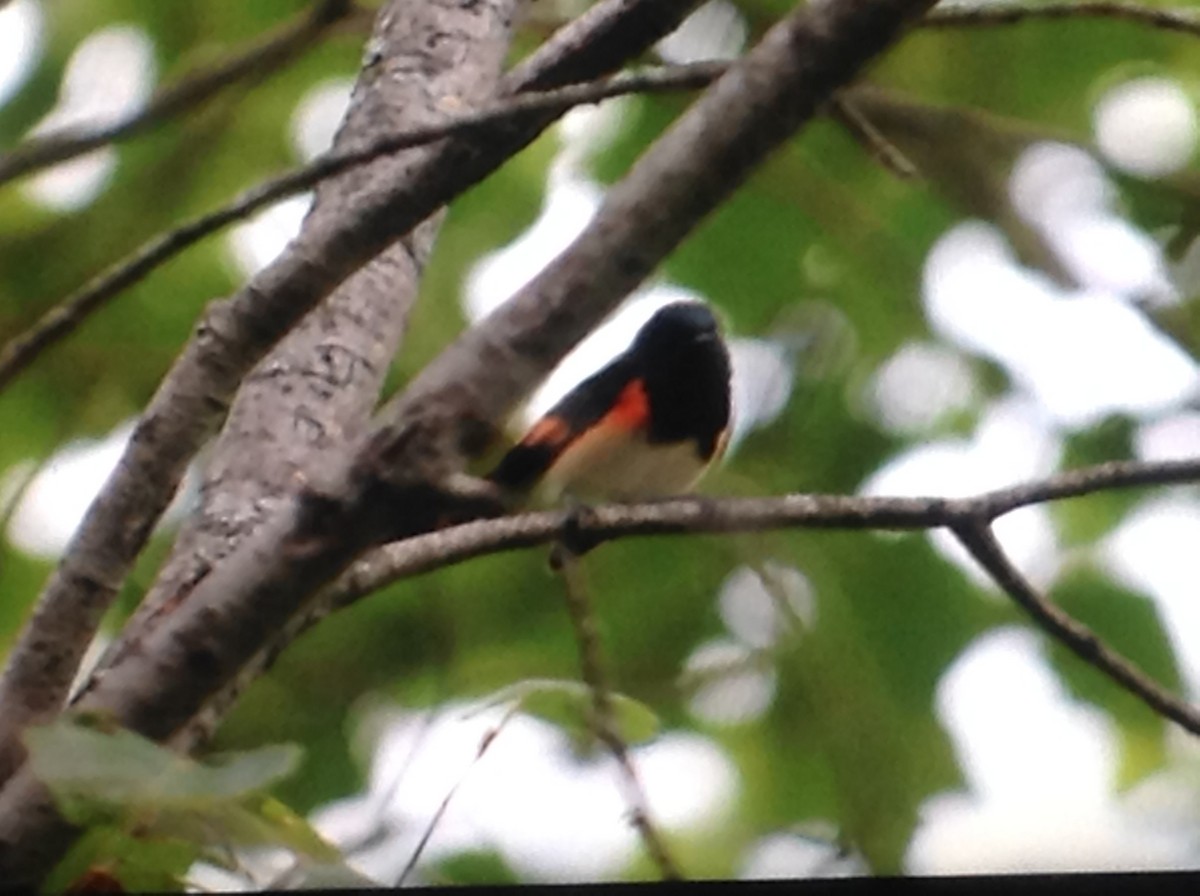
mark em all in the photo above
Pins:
pixel 578 411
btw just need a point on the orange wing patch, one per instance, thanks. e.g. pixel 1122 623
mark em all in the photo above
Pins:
pixel 632 408
pixel 549 430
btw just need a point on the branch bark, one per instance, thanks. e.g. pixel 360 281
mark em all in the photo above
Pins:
pixel 313 392
pixel 980 541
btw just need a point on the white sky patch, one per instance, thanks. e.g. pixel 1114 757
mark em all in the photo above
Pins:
pixel 728 683
pixel 1012 443
pixel 1176 437
pixel 257 242
pixel 1146 126
pixel 108 77
pixel 21 24
pixel 55 501
pixel 1040 771
pixel 716 30
pixel 761 384
pixel 790 855
pixel 918 385
pixel 1064 192
pixel 1073 354
pixel 552 816
pixel 316 118
pixel 760 618
pixel 569 205
pixel 1153 551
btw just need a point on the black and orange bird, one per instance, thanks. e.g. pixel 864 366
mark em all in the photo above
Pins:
pixel 647 424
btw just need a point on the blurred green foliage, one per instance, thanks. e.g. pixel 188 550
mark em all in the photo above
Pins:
pixel 851 736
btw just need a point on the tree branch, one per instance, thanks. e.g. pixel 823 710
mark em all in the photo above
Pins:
pixel 977 537
pixel 231 337
pixel 313 393
pixel 695 514
pixel 263 58
pixel 951 16
pixel 67 315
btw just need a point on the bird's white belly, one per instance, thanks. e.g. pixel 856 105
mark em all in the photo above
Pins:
pixel 617 464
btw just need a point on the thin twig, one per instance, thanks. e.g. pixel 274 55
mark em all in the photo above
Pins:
pixel 264 57
pixel 603 719
pixel 884 152
pixel 66 316
pixel 489 737
pixel 979 539
pixel 1185 21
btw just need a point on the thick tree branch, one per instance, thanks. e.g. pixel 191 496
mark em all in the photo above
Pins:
pixel 313 393
pixel 65 316
pixel 231 337
pixel 262 59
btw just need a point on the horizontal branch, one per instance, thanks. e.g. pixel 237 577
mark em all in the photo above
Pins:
pixel 696 514
pixel 952 16
pixel 67 315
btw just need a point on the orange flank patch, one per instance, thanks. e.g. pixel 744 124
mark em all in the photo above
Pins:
pixel 631 410
pixel 548 431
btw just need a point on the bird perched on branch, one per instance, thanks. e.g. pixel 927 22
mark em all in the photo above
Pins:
pixel 649 423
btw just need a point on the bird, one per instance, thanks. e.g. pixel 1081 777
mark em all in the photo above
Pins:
pixel 648 424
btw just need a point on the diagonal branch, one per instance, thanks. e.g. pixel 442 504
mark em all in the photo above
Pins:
pixel 66 316
pixel 262 59
pixel 977 537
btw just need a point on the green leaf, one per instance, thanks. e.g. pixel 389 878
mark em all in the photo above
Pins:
pixel 140 864
pixel 94 774
pixel 474 867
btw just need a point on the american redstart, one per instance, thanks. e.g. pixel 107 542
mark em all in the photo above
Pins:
pixel 649 423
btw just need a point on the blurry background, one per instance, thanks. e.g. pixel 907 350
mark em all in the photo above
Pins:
pixel 825 702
